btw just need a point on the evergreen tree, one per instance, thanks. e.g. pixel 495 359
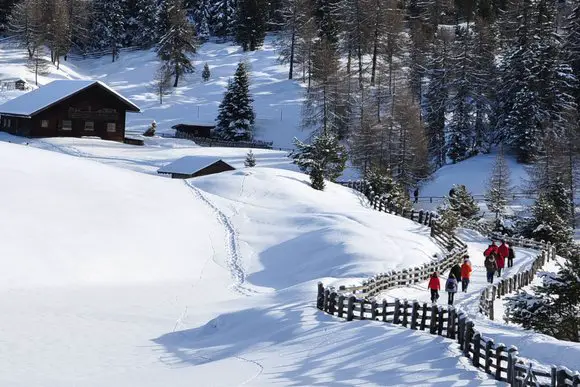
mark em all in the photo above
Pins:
pixel 250 159
pixel 546 224
pixel 554 306
pixel 325 158
pixel 38 64
pixel 383 185
pixel 141 23
pixel 5 11
pixel 463 202
pixel 251 23
pixel 109 27
pixel 461 125
pixel 201 14
pixel 437 99
pixel 176 46
pixel 223 16
pixel 205 74
pixel 572 47
pixel 236 115
pixel 498 186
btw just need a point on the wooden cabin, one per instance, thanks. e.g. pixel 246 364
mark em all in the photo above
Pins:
pixel 192 130
pixel 194 166
pixel 68 108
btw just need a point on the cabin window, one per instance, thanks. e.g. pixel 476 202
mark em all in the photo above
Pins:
pixel 89 126
pixel 111 127
pixel 44 124
pixel 66 125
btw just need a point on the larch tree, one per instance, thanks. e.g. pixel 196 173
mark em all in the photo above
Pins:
pixel 178 44
pixel 223 16
pixel 109 29
pixel 25 24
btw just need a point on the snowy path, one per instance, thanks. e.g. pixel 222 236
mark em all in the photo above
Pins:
pixel 233 260
pixel 468 302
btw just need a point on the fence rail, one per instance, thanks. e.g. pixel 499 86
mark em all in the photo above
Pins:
pixel 519 280
pixel 504 364
pixel 101 53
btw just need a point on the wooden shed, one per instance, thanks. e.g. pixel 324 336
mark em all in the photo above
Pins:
pixel 194 166
pixel 68 108
pixel 193 130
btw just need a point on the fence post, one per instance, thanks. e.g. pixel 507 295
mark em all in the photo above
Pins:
pixel 468 337
pixel 461 330
pixel 490 309
pixel 396 314
pixel 423 316
pixel 326 296
pixel 421 217
pixel 320 297
pixel 384 311
pixel 433 322
pixel 414 313
pixel 476 349
pixel 332 303
pixel 350 308
pixel 405 313
pixel 561 376
pixel 362 309
pixel 488 355
pixel 451 323
pixel 340 305
pixel 511 364
pixel 498 351
pixel 440 320
pixel 374 310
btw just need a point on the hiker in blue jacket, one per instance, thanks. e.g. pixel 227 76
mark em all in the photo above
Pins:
pixel 451 288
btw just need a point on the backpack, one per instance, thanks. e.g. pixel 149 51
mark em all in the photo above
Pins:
pixel 451 285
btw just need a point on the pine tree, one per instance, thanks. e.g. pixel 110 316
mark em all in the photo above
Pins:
pixel 6 7
pixel 250 160
pixel 236 116
pixel 463 202
pixel 325 158
pixel 141 23
pixel 294 17
pixel 176 46
pixel 109 27
pixel 572 47
pixel 554 306
pixel 498 186
pixel 223 16
pixel 383 185
pixel 201 13
pixel 546 224
pixel 251 23
pixel 437 98
pixel 205 74
pixel 461 125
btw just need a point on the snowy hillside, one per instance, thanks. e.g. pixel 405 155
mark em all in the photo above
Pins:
pixel 116 277
pixel 277 101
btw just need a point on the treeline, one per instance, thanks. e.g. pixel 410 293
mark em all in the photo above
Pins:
pixel 414 85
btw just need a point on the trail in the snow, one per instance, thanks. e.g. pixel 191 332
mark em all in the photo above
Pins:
pixel 233 259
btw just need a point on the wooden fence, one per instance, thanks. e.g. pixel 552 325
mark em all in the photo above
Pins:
pixel 519 280
pixel 497 360
pixel 455 248
pixel 100 53
pixel 205 141
pixel 358 303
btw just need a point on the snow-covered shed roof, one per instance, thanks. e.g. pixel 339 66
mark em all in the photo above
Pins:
pixel 188 165
pixel 46 96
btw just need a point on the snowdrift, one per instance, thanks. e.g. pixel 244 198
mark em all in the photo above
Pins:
pixel 66 220
pixel 300 234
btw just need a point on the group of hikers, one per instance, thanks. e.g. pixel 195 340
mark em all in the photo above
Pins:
pixel 495 257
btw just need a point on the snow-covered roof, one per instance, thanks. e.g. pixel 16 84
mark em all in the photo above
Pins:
pixel 42 98
pixel 189 164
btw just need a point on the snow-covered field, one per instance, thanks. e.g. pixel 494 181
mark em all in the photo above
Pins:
pixel 121 278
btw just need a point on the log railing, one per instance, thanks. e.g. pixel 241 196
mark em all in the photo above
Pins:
pixel 502 363
pixel 454 247
pixel 517 281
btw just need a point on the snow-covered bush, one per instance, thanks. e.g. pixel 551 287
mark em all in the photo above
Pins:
pixel 250 159
pixel 383 184
pixel 150 132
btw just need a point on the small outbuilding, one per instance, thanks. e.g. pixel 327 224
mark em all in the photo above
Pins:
pixel 194 166
pixel 193 130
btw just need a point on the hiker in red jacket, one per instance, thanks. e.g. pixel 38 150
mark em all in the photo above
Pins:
pixel 500 261
pixel 490 249
pixel 503 250
pixel 434 286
